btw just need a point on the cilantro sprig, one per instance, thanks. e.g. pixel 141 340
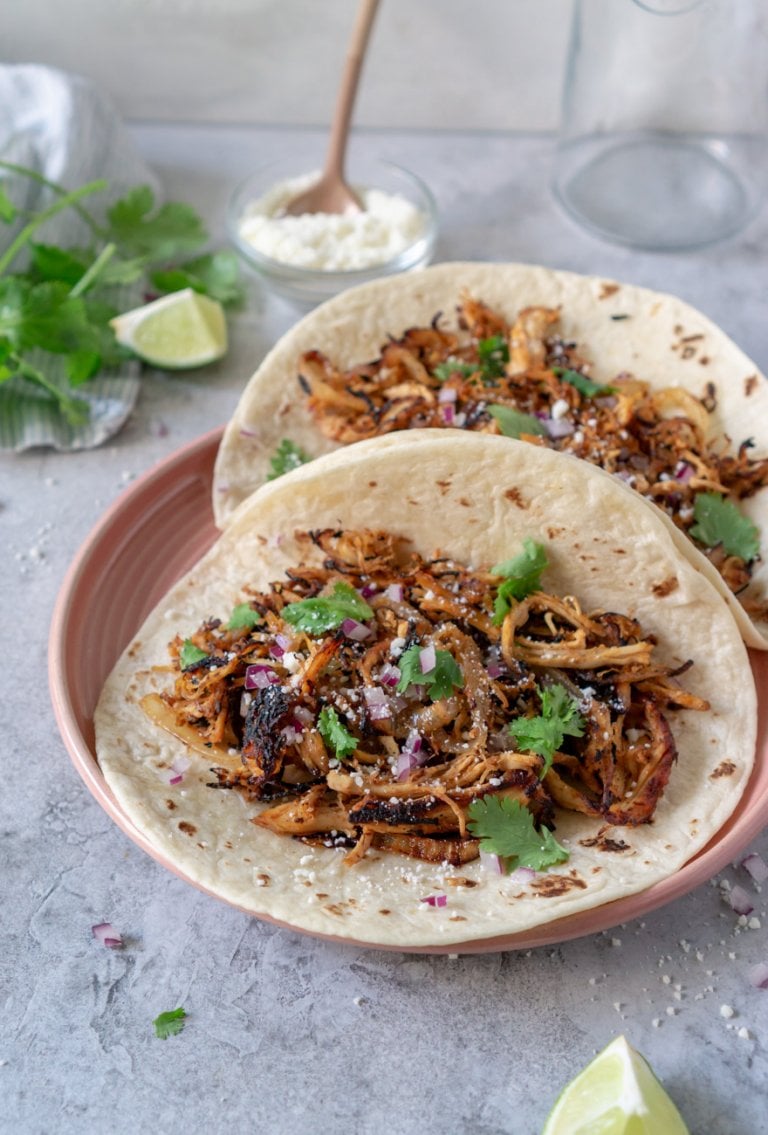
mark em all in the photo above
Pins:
pixel 444 677
pixel 335 733
pixel 170 1023
pixel 514 423
pixel 718 521
pixel 583 384
pixel 492 357
pixel 506 828
pixel 243 617
pixel 60 301
pixel 287 456
pixel 521 576
pixel 190 654
pixel 327 612
pixel 545 733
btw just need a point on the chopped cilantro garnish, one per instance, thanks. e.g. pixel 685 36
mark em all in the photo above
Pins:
pixel 335 733
pixel 170 1023
pixel 287 456
pixel 522 575
pixel 326 612
pixel 453 366
pixel 494 355
pixel 190 654
pixel 506 828
pixel 583 384
pixel 442 679
pixel 513 423
pixel 559 718
pixel 243 615
pixel 718 521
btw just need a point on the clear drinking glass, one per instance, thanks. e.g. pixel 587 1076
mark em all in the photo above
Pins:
pixel 664 135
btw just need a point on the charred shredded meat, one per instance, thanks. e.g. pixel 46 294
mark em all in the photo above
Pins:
pixel 476 376
pixel 370 701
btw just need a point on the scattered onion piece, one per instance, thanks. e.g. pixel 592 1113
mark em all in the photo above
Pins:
pixel 369 590
pixel 740 900
pixel 491 862
pixel 558 427
pixel 356 631
pixel 377 703
pixel 178 768
pixel 258 677
pixel 522 875
pixel 106 935
pixel 447 394
pixel 495 669
pixel 435 900
pixel 276 650
pixel 394 592
pixel 756 866
pixel 245 432
pixel 758 976
pixel 427 659
pixel 449 414
pixel 389 675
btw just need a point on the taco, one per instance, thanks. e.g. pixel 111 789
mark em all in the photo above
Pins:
pixel 432 690
pixel 636 382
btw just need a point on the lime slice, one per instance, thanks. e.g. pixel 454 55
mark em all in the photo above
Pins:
pixel 617 1094
pixel 183 329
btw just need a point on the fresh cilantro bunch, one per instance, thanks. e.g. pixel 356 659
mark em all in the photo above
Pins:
pixel 444 677
pixel 60 300
pixel 545 733
pixel 506 828
pixel 522 575
pixel 327 612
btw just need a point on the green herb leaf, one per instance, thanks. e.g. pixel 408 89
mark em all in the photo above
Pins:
pixel 453 366
pixel 718 521
pixel 170 1023
pixel 326 612
pixel 522 575
pixel 335 733
pixel 544 734
pixel 494 355
pixel 157 235
pixel 216 275
pixel 287 456
pixel 506 828
pixel 243 615
pixel 442 679
pixel 513 423
pixel 583 384
pixel 190 654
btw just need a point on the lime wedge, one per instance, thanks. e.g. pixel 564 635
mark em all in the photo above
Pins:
pixel 181 330
pixel 617 1094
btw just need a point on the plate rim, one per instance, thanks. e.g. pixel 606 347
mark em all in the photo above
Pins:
pixel 717 853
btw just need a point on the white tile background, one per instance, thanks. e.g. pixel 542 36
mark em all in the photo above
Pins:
pixel 461 64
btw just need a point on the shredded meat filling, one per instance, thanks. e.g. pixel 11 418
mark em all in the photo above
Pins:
pixel 414 762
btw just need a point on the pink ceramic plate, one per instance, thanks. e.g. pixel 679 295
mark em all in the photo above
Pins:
pixel 153 533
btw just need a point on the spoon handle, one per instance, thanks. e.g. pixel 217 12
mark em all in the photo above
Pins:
pixel 345 100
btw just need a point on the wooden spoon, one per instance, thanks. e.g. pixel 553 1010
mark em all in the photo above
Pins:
pixel 331 194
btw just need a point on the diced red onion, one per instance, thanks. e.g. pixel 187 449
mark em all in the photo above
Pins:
pixel 522 875
pixel 740 900
pixel 389 675
pixel 356 631
pixel 106 935
pixel 258 677
pixel 756 866
pixel 394 592
pixel 296 725
pixel 460 420
pixel 447 394
pixel 276 650
pixel 283 640
pixel 427 658
pixel 409 755
pixel 495 669
pixel 758 976
pixel 290 734
pixel 435 900
pixel 377 703
pixel 683 471
pixel 448 412
pixel 369 590
pixel 491 862
pixel 304 715
pixel 245 432
pixel 558 427
pixel 178 768
pixel 222 488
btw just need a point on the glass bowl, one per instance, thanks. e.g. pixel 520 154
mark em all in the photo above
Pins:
pixel 310 285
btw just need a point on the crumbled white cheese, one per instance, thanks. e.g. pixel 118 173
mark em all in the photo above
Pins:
pixel 331 241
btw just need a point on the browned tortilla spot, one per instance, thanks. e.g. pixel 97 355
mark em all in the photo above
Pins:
pixel 725 768
pixel 551 886
pixel 463 501
pixel 264 880
pixel 460 881
pixel 385 911
pixel 170 805
pixel 603 842
pixel 516 497
pixel 187 828
pixel 443 486
pixel 750 384
pixel 666 587
pixel 334 908
pixel 607 290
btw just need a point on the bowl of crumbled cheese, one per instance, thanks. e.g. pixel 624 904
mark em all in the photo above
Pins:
pixel 310 257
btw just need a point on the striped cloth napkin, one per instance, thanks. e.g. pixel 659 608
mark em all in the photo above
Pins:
pixel 66 129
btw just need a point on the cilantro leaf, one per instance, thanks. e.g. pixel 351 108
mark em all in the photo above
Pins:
pixel 544 734
pixel 522 575
pixel 718 521
pixel 190 654
pixel 442 679
pixel 583 384
pixel 494 355
pixel 453 366
pixel 243 615
pixel 157 235
pixel 335 733
pixel 287 456
pixel 326 612
pixel 216 274
pixel 170 1023
pixel 506 828
pixel 513 423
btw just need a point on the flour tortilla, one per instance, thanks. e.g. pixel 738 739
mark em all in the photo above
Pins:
pixel 663 341
pixel 475 498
